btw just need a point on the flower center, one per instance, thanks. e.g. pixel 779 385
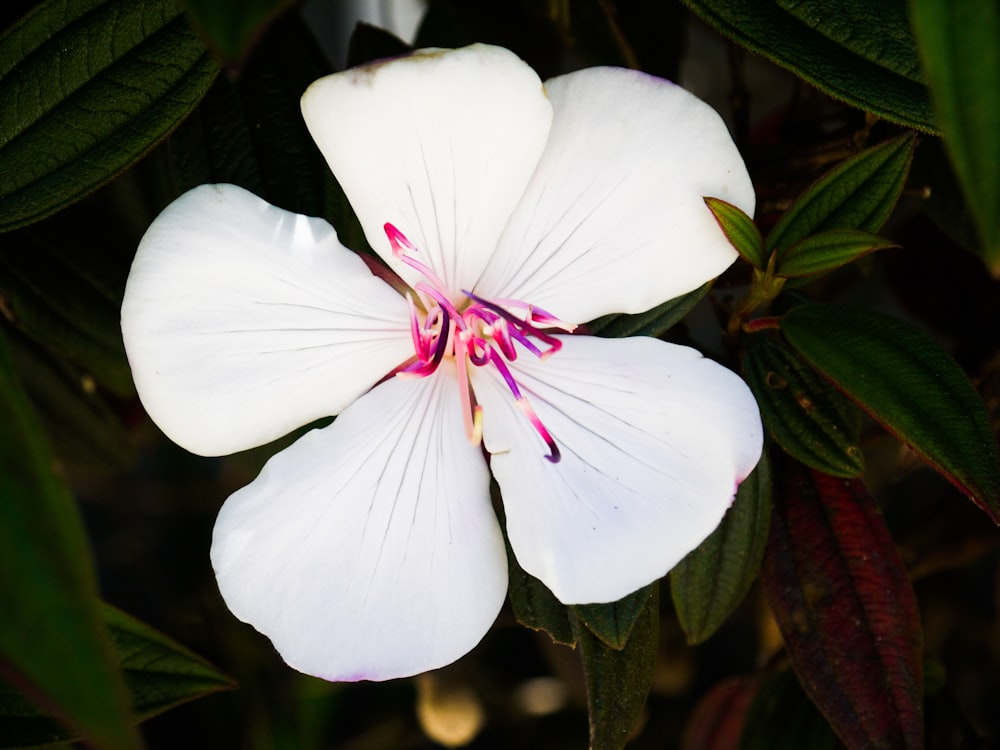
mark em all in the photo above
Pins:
pixel 477 332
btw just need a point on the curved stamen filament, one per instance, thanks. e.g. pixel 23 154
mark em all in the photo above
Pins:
pixel 480 333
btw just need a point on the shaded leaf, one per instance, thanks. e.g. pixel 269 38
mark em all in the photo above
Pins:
pixel 369 43
pixel 958 44
pixel 859 193
pixel 909 385
pixel 612 623
pixel 711 581
pixel 160 674
pixel 618 680
pixel 828 250
pixel 81 425
pixel 808 418
pixel 782 718
pixel 717 721
pixel 232 26
pixel 842 599
pixel 840 48
pixel 52 645
pixel 87 87
pixel 740 230
pixel 654 322
pixel 535 606
pixel 62 291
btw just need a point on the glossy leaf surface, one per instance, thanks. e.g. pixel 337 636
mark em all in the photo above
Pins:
pixel 808 418
pixel 909 385
pixel 654 322
pixel 839 48
pixel 958 44
pixel 52 642
pixel 842 599
pixel 87 87
pixel 859 193
pixel 711 581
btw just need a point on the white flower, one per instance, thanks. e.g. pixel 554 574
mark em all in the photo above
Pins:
pixel 369 549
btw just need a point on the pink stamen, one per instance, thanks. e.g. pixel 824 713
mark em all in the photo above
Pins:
pixel 483 333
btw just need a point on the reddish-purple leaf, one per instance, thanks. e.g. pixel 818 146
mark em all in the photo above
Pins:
pixel 717 721
pixel 844 604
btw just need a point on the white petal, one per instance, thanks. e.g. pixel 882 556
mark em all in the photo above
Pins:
pixel 243 321
pixel 369 549
pixel 614 219
pixel 439 144
pixel 654 441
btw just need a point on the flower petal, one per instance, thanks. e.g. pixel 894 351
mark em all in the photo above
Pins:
pixel 654 441
pixel 369 549
pixel 243 321
pixel 614 218
pixel 438 143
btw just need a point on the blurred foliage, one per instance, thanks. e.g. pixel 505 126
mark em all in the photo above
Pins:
pixel 863 313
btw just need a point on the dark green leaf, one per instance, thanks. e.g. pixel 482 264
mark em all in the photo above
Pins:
pixel 232 26
pixel 52 643
pixel 159 672
pixel 60 289
pixel 740 230
pixel 828 250
pixel 618 680
pixel 81 425
pixel 808 418
pixel 711 581
pixel 653 322
pixel 856 51
pixel 781 717
pixel 860 193
pixel 958 43
pixel 912 388
pixel 612 623
pixel 370 43
pixel 536 607
pixel 844 604
pixel 86 88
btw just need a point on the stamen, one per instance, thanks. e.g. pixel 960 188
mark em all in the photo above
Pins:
pixel 484 333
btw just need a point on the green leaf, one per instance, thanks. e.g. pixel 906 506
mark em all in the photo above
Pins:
pixel 740 230
pixel 711 581
pixel 654 322
pixel 159 672
pixel 808 418
pixel 860 194
pixel 535 606
pixel 905 382
pixel 828 250
pixel 52 644
pixel 958 44
pixel 87 88
pixel 618 680
pixel 232 26
pixel 612 623
pixel 856 51
pixel 781 717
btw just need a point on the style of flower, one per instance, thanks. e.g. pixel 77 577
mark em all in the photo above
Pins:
pixel 510 212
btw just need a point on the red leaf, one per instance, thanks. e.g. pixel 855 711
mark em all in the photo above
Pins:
pixel 717 721
pixel 844 604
